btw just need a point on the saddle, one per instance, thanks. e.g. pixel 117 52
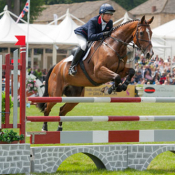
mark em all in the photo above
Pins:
pixel 89 44
pixel 85 54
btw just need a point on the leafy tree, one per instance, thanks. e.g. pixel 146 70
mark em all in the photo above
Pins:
pixel 127 4
pixel 16 6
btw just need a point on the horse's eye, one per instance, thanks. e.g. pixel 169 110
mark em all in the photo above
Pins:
pixel 141 33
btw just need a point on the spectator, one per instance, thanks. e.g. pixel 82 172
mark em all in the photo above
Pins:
pixel 169 59
pixel 163 78
pixel 138 76
pixel 156 77
pixel 148 69
pixel 148 77
pixel 156 62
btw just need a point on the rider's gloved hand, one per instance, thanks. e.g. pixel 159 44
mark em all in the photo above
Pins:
pixel 107 33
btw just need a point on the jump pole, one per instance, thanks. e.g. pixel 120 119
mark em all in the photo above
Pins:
pixel 103 99
pixel 97 118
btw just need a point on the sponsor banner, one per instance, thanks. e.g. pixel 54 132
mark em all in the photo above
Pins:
pixel 158 91
pixel 96 92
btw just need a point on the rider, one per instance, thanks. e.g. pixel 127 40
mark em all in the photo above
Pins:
pixel 95 29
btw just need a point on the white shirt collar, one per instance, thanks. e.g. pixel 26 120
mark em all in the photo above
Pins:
pixel 103 24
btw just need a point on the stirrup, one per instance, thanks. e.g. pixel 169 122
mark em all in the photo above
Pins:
pixel 72 71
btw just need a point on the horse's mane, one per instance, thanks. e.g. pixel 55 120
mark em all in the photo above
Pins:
pixel 115 28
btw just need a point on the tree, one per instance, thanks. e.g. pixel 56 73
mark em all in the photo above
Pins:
pixel 126 4
pixel 16 6
pixel 129 4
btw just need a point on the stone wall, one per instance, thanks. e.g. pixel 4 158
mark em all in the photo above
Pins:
pixel 14 158
pixel 20 158
pixel 110 157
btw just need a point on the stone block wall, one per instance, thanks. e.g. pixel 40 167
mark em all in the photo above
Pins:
pixel 14 158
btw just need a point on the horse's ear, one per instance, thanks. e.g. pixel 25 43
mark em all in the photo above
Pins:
pixel 143 19
pixel 150 20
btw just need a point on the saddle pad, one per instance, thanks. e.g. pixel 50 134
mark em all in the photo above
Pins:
pixel 70 58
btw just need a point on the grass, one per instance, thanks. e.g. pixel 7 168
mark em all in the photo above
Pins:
pixel 81 164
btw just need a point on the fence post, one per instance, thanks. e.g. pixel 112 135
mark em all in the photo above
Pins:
pixel 23 91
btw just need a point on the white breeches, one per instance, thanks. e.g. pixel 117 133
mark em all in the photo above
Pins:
pixel 82 42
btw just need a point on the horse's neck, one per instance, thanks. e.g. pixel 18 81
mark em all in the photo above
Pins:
pixel 125 32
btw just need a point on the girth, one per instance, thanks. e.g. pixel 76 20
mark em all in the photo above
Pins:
pixel 87 75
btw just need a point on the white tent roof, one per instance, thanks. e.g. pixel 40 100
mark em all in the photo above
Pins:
pixel 9 28
pixel 166 30
pixel 39 34
pixel 64 32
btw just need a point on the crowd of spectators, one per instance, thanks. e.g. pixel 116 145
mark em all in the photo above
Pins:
pixel 154 71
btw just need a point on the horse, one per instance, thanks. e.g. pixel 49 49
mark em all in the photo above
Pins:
pixel 105 62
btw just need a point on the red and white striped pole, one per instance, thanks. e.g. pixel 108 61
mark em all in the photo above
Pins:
pixel 21 42
pixel 23 90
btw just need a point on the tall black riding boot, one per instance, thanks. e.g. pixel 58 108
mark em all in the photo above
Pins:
pixel 77 56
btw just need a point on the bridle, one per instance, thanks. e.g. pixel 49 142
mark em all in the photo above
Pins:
pixel 133 45
pixel 125 43
pixel 139 39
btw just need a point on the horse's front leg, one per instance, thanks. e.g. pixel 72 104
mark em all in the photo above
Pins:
pixel 129 72
pixel 106 75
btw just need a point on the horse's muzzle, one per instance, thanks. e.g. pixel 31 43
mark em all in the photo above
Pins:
pixel 149 55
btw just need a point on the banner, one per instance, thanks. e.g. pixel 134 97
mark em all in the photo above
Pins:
pixel 96 92
pixel 158 91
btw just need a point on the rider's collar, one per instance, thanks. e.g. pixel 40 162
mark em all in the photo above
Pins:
pixel 103 22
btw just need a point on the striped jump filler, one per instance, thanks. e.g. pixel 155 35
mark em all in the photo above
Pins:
pixel 101 136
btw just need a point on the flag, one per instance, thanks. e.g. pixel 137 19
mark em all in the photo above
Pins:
pixel 25 9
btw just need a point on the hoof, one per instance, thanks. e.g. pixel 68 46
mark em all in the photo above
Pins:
pixel 59 128
pixel 124 87
pixel 110 90
pixel 119 88
pixel 44 128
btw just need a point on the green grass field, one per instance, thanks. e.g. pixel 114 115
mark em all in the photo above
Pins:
pixel 81 164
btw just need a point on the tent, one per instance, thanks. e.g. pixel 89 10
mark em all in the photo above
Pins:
pixel 63 34
pixel 9 28
pixel 165 35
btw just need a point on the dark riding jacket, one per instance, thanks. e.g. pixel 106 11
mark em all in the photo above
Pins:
pixel 92 30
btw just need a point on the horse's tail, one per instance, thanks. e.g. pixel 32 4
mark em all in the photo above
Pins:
pixel 46 94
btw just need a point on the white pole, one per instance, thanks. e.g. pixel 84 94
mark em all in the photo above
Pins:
pixel 27 50
pixel 1 92
pixel 57 19
pixel 15 88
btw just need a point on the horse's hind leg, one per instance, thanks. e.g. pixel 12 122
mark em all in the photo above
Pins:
pixel 46 113
pixel 70 91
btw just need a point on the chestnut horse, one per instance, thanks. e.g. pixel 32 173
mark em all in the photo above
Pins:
pixel 107 63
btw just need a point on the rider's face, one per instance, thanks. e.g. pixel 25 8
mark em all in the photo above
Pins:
pixel 107 17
